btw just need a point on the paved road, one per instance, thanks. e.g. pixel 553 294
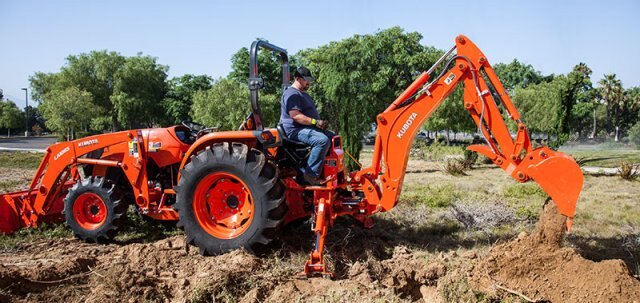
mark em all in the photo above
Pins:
pixel 26 144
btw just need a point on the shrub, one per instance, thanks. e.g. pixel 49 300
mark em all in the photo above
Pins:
pixel 470 158
pixel 455 167
pixel 628 170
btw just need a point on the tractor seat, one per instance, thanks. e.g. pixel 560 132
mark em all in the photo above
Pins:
pixel 288 142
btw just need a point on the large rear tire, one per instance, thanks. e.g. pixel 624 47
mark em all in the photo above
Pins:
pixel 93 211
pixel 229 197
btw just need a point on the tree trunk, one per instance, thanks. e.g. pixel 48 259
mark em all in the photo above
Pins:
pixel 448 141
pixel 593 132
pixel 608 119
pixel 8 132
pixel 114 124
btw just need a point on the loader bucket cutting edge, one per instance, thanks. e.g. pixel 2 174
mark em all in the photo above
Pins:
pixel 9 219
pixel 561 178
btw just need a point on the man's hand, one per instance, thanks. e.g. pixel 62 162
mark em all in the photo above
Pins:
pixel 322 124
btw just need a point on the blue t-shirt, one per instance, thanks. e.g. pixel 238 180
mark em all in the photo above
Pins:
pixel 293 99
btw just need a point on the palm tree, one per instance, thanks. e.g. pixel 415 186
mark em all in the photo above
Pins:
pixel 608 91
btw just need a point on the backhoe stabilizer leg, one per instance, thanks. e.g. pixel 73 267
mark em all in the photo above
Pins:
pixel 315 266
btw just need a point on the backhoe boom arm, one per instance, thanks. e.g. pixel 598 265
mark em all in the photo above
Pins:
pixel 557 173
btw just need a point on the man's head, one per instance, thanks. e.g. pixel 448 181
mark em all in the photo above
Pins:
pixel 303 78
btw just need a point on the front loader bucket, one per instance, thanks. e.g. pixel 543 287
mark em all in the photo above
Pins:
pixel 558 175
pixel 9 218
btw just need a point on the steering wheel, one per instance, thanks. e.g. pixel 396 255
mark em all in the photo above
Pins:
pixel 194 127
pixel 197 129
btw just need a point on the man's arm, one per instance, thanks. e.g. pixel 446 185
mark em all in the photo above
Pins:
pixel 301 118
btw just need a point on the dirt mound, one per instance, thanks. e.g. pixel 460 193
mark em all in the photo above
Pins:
pixel 538 267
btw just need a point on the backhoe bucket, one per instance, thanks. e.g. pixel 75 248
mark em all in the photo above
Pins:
pixel 558 175
pixel 9 218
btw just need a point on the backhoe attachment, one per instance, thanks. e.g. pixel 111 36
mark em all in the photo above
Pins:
pixel 488 103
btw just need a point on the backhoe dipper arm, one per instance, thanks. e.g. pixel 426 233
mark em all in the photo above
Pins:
pixel 557 173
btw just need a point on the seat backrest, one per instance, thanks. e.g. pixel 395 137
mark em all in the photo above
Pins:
pixel 281 133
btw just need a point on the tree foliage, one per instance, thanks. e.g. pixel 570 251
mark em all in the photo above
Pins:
pixel 126 90
pixel 179 99
pixel 10 116
pixel 356 78
pixel 67 110
pixel 224 105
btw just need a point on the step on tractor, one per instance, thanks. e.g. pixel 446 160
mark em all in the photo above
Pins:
pixel 235 189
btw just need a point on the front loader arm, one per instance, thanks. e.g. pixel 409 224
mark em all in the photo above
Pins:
pixel 557 173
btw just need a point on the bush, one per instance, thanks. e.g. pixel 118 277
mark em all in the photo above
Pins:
pixel 470 158
pixel 455 167
pixel 628 170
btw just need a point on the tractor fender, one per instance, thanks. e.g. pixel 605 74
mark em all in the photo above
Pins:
pixel 245 136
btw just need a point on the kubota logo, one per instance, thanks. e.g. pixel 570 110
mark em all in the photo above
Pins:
pixel 88 142
pixel 406 125
pixel 60 153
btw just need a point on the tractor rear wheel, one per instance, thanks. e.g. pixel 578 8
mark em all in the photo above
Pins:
pixel 93 211
pixel 229 197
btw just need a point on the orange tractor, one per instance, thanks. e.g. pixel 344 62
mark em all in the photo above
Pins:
pixel 234 189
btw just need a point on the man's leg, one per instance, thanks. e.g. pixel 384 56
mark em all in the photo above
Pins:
pixel 319 146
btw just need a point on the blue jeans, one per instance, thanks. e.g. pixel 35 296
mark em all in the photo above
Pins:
pixel 320 143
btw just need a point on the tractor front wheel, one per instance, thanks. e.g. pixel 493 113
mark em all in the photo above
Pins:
pixel 229 197
pixel 93 211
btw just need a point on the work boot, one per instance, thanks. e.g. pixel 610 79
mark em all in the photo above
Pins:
pixel 313 180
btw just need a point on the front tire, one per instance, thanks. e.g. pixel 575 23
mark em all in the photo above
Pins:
pixel 93 211
pixel 229 197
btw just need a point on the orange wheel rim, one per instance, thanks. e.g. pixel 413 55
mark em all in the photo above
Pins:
pixel 223 205
pixel 90 211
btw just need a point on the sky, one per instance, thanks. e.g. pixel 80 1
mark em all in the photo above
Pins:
pixel 199 37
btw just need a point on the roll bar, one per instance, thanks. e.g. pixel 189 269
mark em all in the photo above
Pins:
pixel 256 82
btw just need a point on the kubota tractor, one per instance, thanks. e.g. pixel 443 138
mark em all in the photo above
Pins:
pixel 234 189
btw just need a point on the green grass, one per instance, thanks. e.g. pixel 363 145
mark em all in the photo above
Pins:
pixel 605 157
pixel 526 198
pixel 24 160
pixel 9 185
pixel 26 235
pixel 436 196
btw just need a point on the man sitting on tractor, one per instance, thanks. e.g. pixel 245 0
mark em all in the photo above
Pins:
pixel 301 122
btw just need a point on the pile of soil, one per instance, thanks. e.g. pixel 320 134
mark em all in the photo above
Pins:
pixel 538 268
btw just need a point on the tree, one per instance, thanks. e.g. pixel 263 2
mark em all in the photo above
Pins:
pixel 518 75
pixel 179 99
pixel 578 90
pixel 10 116
pixel 451 115
pixel 270 69
pixel 123 89
pixel 225 105
pixel 542 108
pixel 67 110
pixel 609 90
pixel 139 88
pixel 356 78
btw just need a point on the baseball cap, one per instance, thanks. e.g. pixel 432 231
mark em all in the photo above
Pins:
pixel 305 73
